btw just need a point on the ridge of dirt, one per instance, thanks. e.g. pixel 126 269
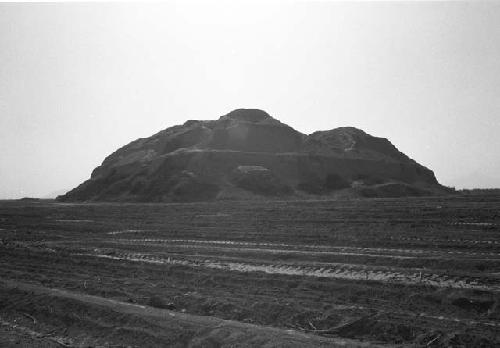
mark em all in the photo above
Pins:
pixel 203 330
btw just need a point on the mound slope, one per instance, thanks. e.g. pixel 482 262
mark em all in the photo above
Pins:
pixel 249 154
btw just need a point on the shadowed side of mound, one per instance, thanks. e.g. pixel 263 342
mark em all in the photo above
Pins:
pixel 96 320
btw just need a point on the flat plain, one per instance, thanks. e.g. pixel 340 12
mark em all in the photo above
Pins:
pixel 396 272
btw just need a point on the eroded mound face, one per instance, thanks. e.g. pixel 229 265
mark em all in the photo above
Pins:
pixel 205 160
pixel 259 180
pixel 253 130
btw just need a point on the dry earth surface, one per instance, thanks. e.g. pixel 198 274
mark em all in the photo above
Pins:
pixel 397 272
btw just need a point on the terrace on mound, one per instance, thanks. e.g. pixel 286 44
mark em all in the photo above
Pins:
pixel 206 160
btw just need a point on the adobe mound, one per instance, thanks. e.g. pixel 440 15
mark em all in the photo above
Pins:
pixel 259 180
pixel 247 153
pixel 393 190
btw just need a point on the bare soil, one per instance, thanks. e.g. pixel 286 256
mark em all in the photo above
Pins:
pixel 396 272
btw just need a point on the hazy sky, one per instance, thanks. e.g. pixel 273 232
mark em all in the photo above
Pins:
pixel 77 81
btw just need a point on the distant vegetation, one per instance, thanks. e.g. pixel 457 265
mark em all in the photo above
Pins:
pixel 478 191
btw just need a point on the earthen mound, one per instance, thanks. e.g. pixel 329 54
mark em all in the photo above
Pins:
pixel 247 150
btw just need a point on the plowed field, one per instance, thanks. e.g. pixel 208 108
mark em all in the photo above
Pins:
pixel 397 272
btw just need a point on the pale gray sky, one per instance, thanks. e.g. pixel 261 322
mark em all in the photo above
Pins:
pixel 77 81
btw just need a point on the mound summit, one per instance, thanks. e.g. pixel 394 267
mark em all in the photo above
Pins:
pixel 248 154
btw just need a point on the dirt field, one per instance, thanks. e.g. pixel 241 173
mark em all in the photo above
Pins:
pixel 415 272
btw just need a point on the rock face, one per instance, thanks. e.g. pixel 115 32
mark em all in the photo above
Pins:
pixel 249 154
